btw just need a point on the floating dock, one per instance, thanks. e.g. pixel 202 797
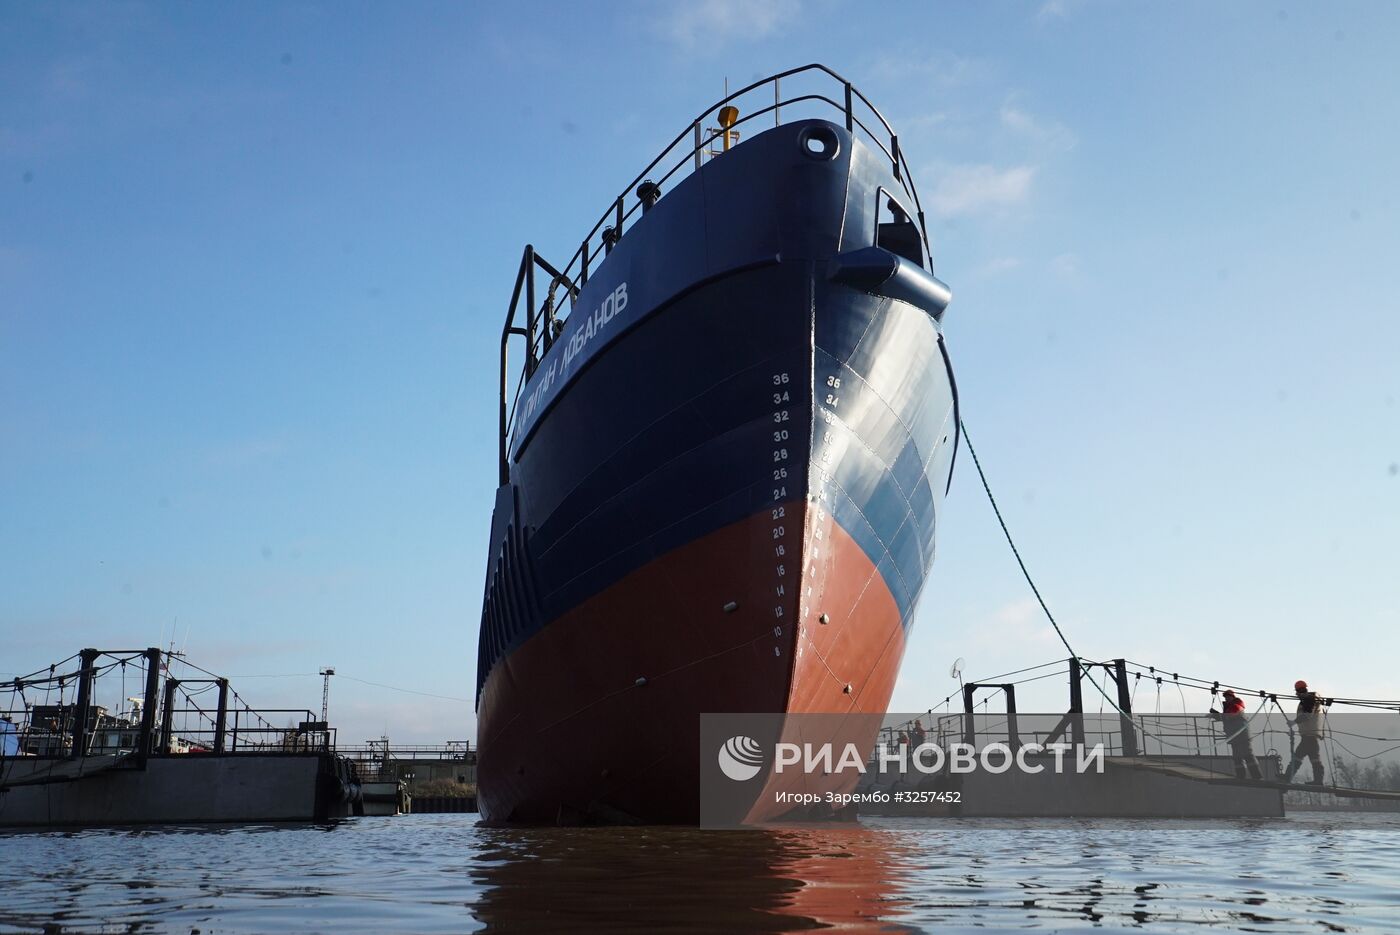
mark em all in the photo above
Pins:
pixel 1153 765
pixel 166 756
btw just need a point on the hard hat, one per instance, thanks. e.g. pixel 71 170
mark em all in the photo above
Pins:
pixel 1300 686
pixel 1228 693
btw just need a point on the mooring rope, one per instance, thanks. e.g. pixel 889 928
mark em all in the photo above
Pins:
pixel 1176 679
pixel 1040 599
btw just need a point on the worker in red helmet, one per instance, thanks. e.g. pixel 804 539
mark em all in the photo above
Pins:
pixel 1310 727
pixel 1236 725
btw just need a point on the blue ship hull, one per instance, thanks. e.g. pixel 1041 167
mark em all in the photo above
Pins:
pixel 723 483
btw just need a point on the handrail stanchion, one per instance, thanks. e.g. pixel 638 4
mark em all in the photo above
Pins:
pixel 222 716
pixel 81 733
pixel 167 714
pixel 530 361
pixel 894 147
pixel 1013 733
pixel 698 143
pixel 1125 707
pixel 583 267
pixel 1076 704
pixel 505 389
pixel 506 333
pixel 549 318
pixel 850 115
pixel 969 725
pixel 149 703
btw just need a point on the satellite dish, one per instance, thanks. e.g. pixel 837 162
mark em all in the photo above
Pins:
pixel 956 669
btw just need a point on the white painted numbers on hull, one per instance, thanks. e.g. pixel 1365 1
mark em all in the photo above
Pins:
pixel 781 398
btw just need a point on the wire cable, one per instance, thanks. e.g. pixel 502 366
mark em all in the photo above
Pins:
pixel 1025 572
pixel 406 691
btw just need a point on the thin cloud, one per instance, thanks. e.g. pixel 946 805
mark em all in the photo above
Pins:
pixel 714 22
pixel 981 189
pixel 1052 10
pixel 72 79
pixel 1046 134
pixel 1016 623
pixel 997 266
pixel 1065 266
pixel 245 452
pixel 938 69
pixel 929 121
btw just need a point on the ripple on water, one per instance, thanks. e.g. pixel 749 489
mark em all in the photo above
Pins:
pixel 442 873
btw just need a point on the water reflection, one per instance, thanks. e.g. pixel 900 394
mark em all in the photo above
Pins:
pixel 444 873
pixel 670 879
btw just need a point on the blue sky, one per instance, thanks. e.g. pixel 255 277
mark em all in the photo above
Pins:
pixel 254 260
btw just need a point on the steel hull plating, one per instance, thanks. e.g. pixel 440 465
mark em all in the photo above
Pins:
pixel 722 496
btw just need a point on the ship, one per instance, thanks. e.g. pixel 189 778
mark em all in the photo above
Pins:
pixel 724 440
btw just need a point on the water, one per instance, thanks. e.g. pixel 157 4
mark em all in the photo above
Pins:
pixel 442 873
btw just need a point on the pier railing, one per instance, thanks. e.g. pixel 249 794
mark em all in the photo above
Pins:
pixel 1124 728
pixel 380 761
pixel 820 91
pixel 144 702
pixel 461 751
pixel 1160 735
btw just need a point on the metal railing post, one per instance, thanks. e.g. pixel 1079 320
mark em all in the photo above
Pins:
pixel 969 726
pixel 151 703
pixel 82 703
pixel 1125 708
pixel 1076 703
pixel 850 114
pixel 221 716
pixel 698 143
pixel 505 388
pixel 530 310
pixel 167 717
pixel 894 149
pixel 549 319
pixel 1013 734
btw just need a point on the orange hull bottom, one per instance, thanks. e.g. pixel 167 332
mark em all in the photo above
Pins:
pixel 597 717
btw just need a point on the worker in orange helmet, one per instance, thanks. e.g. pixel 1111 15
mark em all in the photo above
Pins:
pixel 1310 728
pixel 1236 724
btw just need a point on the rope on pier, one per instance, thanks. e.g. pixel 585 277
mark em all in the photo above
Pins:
pixel 1025 572
pixel 1181 682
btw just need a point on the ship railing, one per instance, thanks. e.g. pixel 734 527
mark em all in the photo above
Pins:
pixel 684 154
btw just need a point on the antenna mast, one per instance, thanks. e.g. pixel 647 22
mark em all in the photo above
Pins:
pixel 326 674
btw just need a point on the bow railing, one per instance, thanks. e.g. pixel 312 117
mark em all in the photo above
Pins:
pixel 688 152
